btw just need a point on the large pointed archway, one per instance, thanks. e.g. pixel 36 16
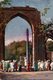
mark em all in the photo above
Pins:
pixel 32 16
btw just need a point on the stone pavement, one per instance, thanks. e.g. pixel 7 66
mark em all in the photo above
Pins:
pixel 40 75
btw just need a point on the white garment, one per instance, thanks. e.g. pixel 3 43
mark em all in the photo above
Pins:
pixel 42 65
pixel 51 65
pixel 46 64
pixel 39 65
pixel 3 63
pixel 11 66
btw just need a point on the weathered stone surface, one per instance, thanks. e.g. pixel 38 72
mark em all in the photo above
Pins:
pixel 31 15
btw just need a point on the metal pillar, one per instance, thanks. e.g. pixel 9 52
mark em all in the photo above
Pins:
pixel 27 50
pixel 27 44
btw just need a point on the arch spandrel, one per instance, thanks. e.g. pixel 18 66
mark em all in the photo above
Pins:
pixel 30 13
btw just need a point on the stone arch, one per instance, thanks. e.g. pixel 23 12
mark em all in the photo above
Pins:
pixel 21 26
pixel 22 16
pixel 32 16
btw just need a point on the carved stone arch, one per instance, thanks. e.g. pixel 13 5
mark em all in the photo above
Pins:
pixel 32 16
pixel 21 15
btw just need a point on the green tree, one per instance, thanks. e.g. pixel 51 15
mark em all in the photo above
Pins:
pixel 3 3
pixel 17 49
pixel 44 11
pixel 50 46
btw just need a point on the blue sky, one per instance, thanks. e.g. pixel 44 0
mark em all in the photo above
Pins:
pixel 16 28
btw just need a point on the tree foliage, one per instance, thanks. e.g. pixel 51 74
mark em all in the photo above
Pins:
pixel 3 3
pixel 17 49
pixel 44 11
pixel 50 46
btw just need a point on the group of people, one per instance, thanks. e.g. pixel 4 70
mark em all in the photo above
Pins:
pixel 10 66
pixel 13 65
pixel 44 65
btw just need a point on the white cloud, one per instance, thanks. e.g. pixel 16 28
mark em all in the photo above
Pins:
pixel 46 20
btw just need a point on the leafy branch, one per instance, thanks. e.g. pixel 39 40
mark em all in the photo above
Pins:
pixel 3 3
pixel 44 11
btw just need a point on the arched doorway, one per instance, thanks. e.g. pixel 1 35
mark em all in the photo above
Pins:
pixel 15 39
pixel 32 16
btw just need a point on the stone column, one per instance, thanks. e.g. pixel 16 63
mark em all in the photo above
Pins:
pixel 35 53
pixel 2 47
pixel 33 47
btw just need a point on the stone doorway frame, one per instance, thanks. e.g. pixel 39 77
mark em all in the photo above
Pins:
pixel 32 16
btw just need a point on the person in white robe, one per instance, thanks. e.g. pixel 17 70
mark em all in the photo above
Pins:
pixel 51 65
